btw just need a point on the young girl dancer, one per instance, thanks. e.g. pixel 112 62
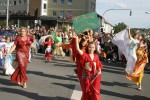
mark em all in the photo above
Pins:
pixel 89 71
pixel 9 70
pixel 48 42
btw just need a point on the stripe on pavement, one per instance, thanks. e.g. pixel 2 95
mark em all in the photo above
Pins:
pixel 76 95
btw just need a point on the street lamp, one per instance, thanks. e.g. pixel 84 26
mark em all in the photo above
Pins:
pixel 117 9
pixel 147 13
pixel 103 19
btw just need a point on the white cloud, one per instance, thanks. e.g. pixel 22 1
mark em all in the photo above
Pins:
pixel 121 5
pixel 106 1
pixel 138 18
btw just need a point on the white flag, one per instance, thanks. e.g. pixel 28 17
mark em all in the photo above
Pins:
pixel 123 42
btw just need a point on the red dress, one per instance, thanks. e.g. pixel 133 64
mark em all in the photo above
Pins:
pixel 48 50
pixel 79 61
pixel 89 79
pixel 90 85
pixel 22 56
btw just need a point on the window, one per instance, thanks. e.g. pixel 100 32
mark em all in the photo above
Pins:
pixel 93 6
pixel 69 2
pixel 44 6
pixel 61 14
pixel 54 2
pixel 19 2
pixel 54 13
pixel 5 3
pixel 69 13
pixel 62 2
pixel 1 4
pixel 24 2
pixel 9 3
pixel 15 2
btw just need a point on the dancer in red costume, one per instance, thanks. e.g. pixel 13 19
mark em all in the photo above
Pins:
pixel 22 45
pixel 89 71
pixel 48 42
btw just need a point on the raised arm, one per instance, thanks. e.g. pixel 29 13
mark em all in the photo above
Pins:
pixel 77 44
pixel 129 33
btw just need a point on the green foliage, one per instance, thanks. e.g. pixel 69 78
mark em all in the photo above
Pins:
pixel 119 27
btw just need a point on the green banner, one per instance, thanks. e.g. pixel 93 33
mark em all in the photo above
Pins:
pixel 86 22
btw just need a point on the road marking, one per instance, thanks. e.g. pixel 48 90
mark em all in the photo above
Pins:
pixel 76 95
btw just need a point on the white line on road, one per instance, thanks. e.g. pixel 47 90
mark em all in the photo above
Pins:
pixel 76 95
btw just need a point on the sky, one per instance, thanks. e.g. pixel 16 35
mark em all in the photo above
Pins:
pixel 139 18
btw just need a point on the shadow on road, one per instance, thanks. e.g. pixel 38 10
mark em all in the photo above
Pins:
pixel 7 82
pixel 69 86
pixel 51 76
pixel 127 85
pixel 135 97
pixel 59 58
pixel 112 71
pixel 30 95
pixel 64 65
pixel 118 68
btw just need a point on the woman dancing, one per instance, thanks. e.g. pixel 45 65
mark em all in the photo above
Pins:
pixel 22 45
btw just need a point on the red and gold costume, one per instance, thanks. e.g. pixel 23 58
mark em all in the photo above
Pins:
pixel 22 56
pixel 138 72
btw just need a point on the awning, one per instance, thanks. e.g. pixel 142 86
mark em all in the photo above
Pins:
pixel 46 18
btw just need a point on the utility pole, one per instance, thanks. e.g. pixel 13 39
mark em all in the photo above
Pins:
pixel 7 17
pixel 18 22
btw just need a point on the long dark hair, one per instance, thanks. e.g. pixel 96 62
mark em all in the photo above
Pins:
pixel 47 39
pixel 89 43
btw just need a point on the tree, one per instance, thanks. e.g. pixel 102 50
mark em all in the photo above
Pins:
pixel 119 27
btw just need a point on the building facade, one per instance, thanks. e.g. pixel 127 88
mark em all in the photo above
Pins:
pixel 49 9
pixel 15 6
pixel 65 8
pixel 20 11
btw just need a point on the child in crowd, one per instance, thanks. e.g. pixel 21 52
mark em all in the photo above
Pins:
pixel 34 46
pixel 9 70
pixel 48 42
pixel 2 49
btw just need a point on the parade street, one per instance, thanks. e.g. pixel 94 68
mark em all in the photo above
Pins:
pixel 56 80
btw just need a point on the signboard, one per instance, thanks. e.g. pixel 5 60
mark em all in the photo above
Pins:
pixel 86 22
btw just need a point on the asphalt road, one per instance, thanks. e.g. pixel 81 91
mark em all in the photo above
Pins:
pixel 55 80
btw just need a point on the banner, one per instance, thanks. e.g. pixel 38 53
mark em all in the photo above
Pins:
pixel 86 22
